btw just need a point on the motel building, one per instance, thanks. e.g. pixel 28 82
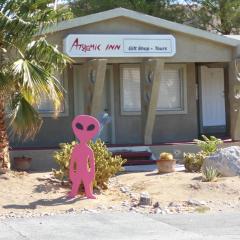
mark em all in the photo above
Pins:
pixel 160 81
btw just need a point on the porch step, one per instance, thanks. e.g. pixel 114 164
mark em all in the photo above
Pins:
pixel 136 158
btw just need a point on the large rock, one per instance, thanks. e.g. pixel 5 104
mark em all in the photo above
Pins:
pixel 226 161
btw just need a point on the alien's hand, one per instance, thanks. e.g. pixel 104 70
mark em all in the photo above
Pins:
pixel 71 175
pixel 92 174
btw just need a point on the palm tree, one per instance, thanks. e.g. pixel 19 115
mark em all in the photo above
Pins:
pixel 27 67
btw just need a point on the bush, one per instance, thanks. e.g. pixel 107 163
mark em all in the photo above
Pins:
pixel 209 145
pixel 106 165
pixel 210 174
pixel 194 161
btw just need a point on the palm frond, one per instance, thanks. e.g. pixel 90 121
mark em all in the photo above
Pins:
pixel 27 77
pixel 34 81
pixel 15 30
pixel 7 83
pixel 46 54
pixel 25 121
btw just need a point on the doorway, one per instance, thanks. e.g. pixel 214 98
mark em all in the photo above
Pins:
pixel 108 133
pixel 80 80
pixel 212 101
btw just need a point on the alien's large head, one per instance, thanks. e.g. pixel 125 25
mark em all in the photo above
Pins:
pixel 85 127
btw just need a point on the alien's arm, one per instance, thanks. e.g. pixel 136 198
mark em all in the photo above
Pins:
pixel 92 164
pixel 71 166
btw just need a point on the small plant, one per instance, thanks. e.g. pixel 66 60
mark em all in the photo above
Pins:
pixel 194 161
pixel 210 174
pixel 209 145
pixel 106 165
pixel 165 156
pixel 166 163
pixel 202 209
pixel 62 158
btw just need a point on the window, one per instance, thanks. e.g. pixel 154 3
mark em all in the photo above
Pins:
pixel 172 97
pixel 172 89
pixel 130 89
pixel 46 107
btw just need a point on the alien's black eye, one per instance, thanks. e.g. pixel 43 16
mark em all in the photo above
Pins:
pixel 90 127
pixel 79 126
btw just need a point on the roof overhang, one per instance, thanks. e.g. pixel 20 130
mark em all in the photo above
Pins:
pixel 162 23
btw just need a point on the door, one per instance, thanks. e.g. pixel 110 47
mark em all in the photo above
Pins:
pixel 107 135
pixel 213 114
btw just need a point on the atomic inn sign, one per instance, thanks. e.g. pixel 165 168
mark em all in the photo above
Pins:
pixel 95 45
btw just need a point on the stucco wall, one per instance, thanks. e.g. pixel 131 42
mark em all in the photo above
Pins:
pixel 189 48
pixel 180 127
pixel 172 127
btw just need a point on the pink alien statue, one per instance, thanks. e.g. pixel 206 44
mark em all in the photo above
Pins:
pixel 85 128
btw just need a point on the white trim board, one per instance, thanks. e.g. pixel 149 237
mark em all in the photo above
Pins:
pixel 141 17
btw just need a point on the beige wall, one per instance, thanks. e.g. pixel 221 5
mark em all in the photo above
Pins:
pixel 172 127
pixel 180 127
pixel 189 49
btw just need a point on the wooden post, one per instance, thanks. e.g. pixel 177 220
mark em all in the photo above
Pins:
pixel 95 85
pixel 150 83
pixel 234 99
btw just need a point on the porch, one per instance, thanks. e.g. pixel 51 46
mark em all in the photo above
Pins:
pixel 42 158
pixel 153 101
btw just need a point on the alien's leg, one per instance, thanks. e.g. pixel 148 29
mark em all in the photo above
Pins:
pixel 75 186
pixel 88 187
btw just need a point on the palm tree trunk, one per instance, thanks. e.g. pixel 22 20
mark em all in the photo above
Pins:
pixel 4 143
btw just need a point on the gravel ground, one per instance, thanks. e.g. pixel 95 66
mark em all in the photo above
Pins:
pixel 38 194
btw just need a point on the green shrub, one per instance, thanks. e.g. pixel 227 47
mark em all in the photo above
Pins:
pixel 202 209
pixel 62 158
pixel 194 161
pixel 210 174
pixel 106 165
pixel 209 145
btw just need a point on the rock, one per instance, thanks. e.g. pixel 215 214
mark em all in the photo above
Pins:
pixel 174 204
pixel 132 209
pixel 145 199
pixel 156 205
pixel 133 196
pixel 123 189
pixel 70 210
pixel 125 204
pixel 92 211
pixel 158 211
pixel 195 186
pixel 196 202
pixel 226 161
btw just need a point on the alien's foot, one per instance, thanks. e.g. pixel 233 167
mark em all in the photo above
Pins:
pixel 91 196
pixel 71 195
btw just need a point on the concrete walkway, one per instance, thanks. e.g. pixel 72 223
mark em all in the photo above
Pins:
pixel 150 168
pixel 123 226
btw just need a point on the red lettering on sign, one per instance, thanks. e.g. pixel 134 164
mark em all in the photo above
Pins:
pixel 75 44
pixel 113 47
pixel 85 47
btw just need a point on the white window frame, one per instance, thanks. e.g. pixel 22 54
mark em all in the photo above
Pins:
pixel 123 112
pixel 45 113
pixel 183 74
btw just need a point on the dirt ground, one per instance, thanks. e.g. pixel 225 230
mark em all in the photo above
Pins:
pixel 29 194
